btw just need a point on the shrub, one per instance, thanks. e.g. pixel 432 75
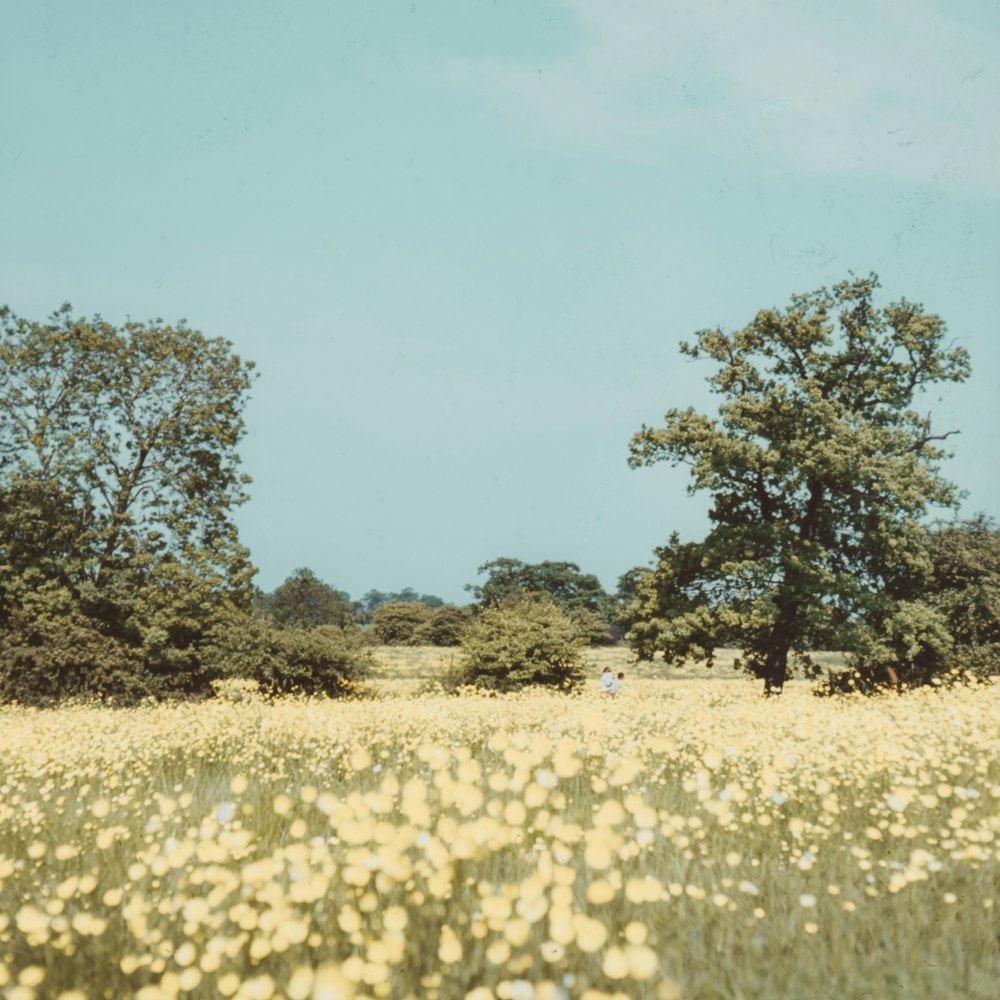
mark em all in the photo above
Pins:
pixel 47 655
pixel 594 628
pixel 321 660
pixel 520 642
pixel 397 623
pixel 446 626
pixel 305 601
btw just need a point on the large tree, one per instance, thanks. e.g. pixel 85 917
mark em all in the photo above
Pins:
pixel 305 601
pixel 820 471
pixel 580 595
pixel 118 478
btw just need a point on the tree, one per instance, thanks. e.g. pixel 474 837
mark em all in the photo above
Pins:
pixel 413 623
pixel 965 588
pixel 947 615
pixel 306 601
pixel 398 623
pixel 118 479
pixel 446 626
pixel 579 594
pixel 522 641
pixel 374 599
pixel 820 473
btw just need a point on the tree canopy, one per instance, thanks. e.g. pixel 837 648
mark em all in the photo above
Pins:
pixel 122 441
pixel 821 473
pixel 305 601
pixel 571 589
pixel 580 595
pixel 965 587
pixel 118 480
pixel 374 599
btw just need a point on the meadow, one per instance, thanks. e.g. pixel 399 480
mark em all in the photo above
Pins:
pixel 686 839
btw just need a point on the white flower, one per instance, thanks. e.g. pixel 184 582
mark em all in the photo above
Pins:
pixel 225 812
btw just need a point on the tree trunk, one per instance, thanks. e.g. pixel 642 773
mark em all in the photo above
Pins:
pixel 776 665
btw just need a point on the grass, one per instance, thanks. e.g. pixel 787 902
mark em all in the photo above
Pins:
pixel 681 840
pixel 406 669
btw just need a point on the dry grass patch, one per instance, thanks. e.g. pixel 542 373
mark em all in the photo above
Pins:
pixel 404 669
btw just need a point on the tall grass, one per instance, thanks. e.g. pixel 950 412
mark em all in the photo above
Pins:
pixel 680 840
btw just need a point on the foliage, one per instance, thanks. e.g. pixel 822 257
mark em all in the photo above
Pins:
pixel 131 433
pixel 965 590
pixel 398 623
pixel 820 473
pixel 322 659
pixel 374 599
pixel 947 616
pixel 306 601
pixel 579 594
pixel 51 652
pixel 522 641
pixel 594 628
pixel 413 623
pixel 445 627
pixel 118 479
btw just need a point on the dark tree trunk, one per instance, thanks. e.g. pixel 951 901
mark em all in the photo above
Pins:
pixel 776 665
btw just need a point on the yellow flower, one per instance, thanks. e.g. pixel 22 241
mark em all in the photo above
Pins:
pixel 449 947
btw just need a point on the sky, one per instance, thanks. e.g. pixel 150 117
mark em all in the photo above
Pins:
pixel 463 240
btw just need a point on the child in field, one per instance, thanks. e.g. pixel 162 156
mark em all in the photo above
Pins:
pixel 607 680
pixel 616 684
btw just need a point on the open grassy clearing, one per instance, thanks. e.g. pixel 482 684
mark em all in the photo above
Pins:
pixel 685 839
pixel 405 669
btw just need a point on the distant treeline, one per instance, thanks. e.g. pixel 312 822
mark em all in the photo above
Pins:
pixel 409 618
pixel 122 575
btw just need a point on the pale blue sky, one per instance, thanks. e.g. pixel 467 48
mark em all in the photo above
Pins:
pixel 462 240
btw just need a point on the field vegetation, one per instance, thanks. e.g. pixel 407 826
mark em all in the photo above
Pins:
pixel 683 839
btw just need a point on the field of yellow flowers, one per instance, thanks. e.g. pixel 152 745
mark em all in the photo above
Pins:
pixel 685 839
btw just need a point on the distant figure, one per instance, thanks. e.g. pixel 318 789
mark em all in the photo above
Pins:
pixel 616 684
pixel 607 680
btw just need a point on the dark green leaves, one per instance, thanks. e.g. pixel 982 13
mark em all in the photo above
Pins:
pixel 819 470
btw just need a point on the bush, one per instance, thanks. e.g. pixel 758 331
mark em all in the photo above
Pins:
pixel 47 655
pixel 446 627
pixel 399 622
pixel 321 660
pixel 520 642
pixel 594 628
pixel 305 601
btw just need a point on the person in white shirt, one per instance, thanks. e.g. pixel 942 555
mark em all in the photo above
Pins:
pixel 607 680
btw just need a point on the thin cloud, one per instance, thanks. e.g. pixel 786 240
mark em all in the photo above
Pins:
pixel 897 91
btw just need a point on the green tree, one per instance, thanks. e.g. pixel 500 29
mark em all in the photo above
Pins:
pixel 398 623
pixel 965 588
pixel 445 627
pixel 306 601
pixel 579 594
pixel 118 480
pixel 374 599
pixel 820 473
pixel 522 641
pixel 947 614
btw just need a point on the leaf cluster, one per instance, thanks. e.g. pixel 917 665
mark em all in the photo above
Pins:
pixel 323 659
pixel 412 623
pixel 522 641
pixel 579 594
